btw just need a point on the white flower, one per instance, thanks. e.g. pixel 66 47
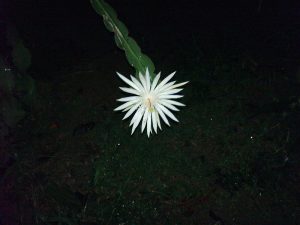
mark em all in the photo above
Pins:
pixel 150 100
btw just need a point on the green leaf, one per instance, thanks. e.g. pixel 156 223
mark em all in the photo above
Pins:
pixel 132 51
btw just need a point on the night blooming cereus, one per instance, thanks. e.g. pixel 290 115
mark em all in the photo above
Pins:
pixel 150 100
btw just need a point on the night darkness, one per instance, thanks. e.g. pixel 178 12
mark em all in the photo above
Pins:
pixel 66 157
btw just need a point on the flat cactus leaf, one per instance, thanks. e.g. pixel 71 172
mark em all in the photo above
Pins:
pixel 132 51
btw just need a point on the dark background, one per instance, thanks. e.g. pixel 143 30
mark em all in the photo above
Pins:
pixel 58 32
pixel 232 159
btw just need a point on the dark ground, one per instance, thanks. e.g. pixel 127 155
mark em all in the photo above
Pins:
pixel 232 159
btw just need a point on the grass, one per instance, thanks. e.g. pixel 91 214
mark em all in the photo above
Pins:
pixel 226 161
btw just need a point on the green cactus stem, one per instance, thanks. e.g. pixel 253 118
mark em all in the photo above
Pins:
pixel 133 53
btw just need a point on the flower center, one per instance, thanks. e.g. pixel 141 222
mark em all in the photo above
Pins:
pixel 149 103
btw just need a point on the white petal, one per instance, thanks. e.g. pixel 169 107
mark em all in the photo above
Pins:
pixel 154 120
pixel 161 113
pixel 136 115
pixel 158 120
pixel 161 89
pixel 171 91
pixel 149 128
pixel 134 108
pixel 144 121
pixel 168 105
pixel 129 82
pixel 168 113
pixel 173 102
pixel 128 99
pixel 136 119
pixel 164 81
pixel 130 90
pixel 148 82
pixel 125 105
pixel 170 96
pixel 155 81
pixel 137 83
pixel 126 109
pixel 143 81
pixel 176 85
